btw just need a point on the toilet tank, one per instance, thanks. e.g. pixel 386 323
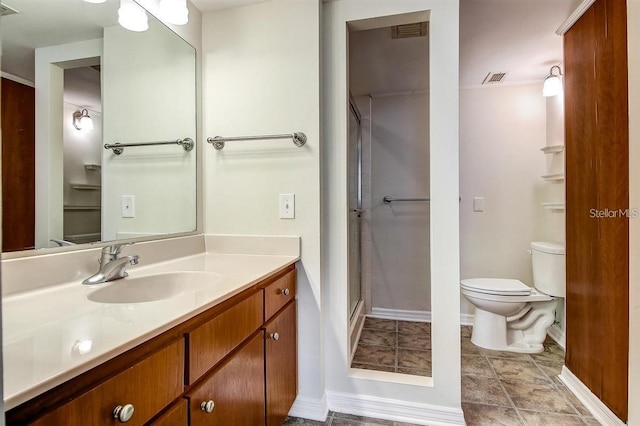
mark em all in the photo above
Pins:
pixel 549 268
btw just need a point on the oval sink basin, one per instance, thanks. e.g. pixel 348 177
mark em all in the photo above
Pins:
pixel 150 288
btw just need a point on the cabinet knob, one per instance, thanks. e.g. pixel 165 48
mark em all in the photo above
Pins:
pixel 285 291
pixel 274 336
pixel 123 413
pixel 207 406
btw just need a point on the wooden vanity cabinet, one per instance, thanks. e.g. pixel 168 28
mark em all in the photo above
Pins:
pixel 281 365
pixel 176 415
pixel 236 390
pixel 239 354
pixel 149 386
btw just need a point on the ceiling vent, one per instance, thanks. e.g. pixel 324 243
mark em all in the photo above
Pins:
pixel 419 29
pixel 6 10
pixel 495 77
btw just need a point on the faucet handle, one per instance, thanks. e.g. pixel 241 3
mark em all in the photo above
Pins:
pixel 114 249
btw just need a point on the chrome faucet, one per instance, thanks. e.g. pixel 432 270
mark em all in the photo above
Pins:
pixel 112 267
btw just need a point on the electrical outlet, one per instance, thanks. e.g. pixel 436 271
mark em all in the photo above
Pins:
pixel 287 206
pixel 128 206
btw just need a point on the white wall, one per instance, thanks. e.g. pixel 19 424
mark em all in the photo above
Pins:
pixel 501 132
pixel 160 69
pixel 376 393
pixel 400 231
pixel 633 34
pixel 262 76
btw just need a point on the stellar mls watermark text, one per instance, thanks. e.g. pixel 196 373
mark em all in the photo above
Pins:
pixel 614 213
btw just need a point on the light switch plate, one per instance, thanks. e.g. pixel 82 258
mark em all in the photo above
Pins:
pixel 128 206
pixel 287 206
pixel 478 204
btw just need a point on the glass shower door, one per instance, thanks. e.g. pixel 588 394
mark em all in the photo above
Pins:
pixel 355 211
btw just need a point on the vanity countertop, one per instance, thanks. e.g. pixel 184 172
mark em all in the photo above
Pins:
pixel 53 334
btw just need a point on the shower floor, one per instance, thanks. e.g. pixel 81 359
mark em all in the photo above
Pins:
pixel 394 346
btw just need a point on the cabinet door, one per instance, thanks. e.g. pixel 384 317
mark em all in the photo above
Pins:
pixel 174 416
pixel 236 390
pixel 281 365
pixel 149 386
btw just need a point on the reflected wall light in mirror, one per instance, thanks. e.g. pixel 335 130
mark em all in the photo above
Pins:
pixel 82 120
pixel 174 11
pixel 552 83
pixel 132 17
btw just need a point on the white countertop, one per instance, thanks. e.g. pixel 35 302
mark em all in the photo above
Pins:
pixel 53 334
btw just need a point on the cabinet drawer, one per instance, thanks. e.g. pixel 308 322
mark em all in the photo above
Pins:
pixel 174 416
pixel 236 390
pixel 210 342
pixel 150 385
pixel 278 293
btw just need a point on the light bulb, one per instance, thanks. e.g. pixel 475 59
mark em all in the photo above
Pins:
pixel 552 86
pixel 174 11
pixel 86 123
pixel 132 17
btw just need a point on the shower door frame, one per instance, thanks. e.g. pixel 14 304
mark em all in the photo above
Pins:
pixel 354 309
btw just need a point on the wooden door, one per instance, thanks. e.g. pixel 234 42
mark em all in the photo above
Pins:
pixel 18 166
pixel 236 389
pixel 597 177
pixel 281 365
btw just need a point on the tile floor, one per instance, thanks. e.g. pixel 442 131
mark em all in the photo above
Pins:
pixel 498 388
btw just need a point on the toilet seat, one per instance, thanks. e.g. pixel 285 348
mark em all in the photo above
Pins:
pixel 496 286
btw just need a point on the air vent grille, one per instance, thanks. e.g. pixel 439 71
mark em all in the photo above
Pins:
pixel 495 77
pixel 6 10
pixel 419 29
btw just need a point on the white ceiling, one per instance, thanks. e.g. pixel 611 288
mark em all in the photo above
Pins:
pixel 516 36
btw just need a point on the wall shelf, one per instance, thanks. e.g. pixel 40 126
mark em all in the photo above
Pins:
pixel 81 208
pixel 96 167
pixel 85 187
pixel 554 207
pixel 554 177
pixel 552 149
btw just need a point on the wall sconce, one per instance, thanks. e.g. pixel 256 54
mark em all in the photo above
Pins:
pixel 132 17
pixel 82 121
pixel 174 11
pixel 552 83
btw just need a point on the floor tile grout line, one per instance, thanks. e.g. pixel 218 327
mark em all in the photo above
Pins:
pixel 506 393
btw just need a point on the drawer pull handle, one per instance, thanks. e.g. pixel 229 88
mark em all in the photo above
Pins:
pixel 207 406
pixel 274 336
pixel 285 291
pixel 123 413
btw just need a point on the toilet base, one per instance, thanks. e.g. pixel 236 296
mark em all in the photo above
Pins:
pixel 524 332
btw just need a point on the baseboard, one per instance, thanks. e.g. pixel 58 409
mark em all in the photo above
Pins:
pixel 597 408
pixel 401 314
pixel 310 408
pixel 556 333
pixel 393 409
pixel 466 319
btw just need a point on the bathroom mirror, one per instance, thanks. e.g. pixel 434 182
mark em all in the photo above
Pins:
pixel 64 60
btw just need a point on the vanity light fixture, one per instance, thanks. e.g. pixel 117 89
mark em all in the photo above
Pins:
pixel 174 11
pixel 132 17
pixel 95 1
pixel 82 121
pixel 552 83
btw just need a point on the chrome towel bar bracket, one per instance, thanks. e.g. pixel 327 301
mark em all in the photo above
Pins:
pixel 218 142
pixel 118 148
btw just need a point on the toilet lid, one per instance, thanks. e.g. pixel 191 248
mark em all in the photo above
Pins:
pixel 498 286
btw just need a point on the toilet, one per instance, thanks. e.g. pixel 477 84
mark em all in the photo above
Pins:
pixel 510 315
